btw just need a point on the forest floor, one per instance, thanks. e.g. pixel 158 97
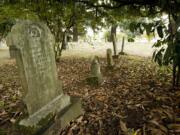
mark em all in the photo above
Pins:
pixel 135 98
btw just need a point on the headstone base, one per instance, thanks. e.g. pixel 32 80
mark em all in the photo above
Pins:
pixel 115 56
pixel 42 122
pixel 95 80
pixel 68 114
pixel 110 67
pixel 122 53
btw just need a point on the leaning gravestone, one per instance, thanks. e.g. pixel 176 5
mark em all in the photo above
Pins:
pixel 42 92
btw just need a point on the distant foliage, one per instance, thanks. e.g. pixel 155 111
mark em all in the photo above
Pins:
pixel 135 17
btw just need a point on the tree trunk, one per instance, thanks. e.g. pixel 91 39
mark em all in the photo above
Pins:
pixel 113 38
pixel 63 46
pixel 122 47
pixel 75 27
pixel 64 42
pixel 172 31
pixel 75 33
pixel 114 45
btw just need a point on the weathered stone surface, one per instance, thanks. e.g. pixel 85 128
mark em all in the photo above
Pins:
pixel 95 77
pixel 52 124
pixel 65 116
pixel 36 61
pixel 42 92
pixel 110 62
pixel 55 106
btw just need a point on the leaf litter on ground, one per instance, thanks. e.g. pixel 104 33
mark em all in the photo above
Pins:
pixel 135 99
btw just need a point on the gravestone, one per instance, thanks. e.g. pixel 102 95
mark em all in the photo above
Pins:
pixel 95 77
pixel 42 91
pixel 110 62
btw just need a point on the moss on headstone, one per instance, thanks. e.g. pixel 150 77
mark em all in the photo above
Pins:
pixel 37 129
pixel 95 77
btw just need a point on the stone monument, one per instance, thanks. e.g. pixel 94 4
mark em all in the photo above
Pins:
pixel 95 77
pixel 42 92
pixel 110 62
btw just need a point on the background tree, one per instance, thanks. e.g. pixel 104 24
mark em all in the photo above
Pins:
pixel 63 19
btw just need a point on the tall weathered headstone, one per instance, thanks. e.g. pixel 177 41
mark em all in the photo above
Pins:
pixel 42 92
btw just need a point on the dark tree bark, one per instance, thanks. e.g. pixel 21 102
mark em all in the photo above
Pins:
pixel 114 45
pixel 75 27
pixel 122 47
pixel 75 33
pixel 175 41
pixel 121 3
pixel 64 42
pixel 113 38
pixel 63 46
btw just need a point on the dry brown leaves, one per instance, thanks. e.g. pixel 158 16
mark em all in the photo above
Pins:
pixel 135 98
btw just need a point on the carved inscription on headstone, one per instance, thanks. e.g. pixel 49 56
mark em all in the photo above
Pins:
pixel 42 92
pixel 36 63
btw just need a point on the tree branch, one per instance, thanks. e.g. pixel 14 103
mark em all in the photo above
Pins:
pixel 106 6
pixel 120 3
pixel 139 2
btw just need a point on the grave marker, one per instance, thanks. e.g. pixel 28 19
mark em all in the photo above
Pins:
pixel 42 92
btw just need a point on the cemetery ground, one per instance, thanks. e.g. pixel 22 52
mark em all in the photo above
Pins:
pixel 135 98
